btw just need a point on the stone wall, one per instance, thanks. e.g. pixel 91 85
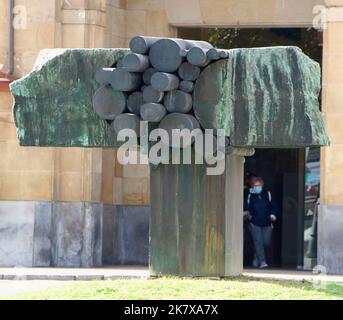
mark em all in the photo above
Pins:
pixel 330 220
pixel 72 234
pixel 63 174
pixel 330 238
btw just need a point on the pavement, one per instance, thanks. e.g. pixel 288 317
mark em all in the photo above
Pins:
pixel 139 272
pixel 291 275
pixel 74 274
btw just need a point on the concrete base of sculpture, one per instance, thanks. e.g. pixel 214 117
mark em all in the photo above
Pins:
pixel 196 225
pixel 330 238
pixel 72 234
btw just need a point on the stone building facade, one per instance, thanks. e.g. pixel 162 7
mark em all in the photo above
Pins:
pixel 80 180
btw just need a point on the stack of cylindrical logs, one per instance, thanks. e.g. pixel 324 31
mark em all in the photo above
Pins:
pixel 154 82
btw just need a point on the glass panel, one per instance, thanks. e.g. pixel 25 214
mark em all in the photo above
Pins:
pixel 312 188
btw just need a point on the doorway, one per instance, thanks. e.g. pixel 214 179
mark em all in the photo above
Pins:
pixel 292 175
pixel 283 173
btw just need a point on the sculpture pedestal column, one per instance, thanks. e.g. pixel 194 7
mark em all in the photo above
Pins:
pixel 196 222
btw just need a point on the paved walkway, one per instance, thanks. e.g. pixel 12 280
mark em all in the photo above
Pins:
pixel 68 274
pixel 136 272
pixel 295 275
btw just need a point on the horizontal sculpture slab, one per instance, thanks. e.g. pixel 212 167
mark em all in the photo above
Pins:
pixel 262 97
pixel 53 104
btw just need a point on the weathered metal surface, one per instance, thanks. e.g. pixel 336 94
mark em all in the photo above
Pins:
pixel 179 121
pixel 263 97
pixel 178 101
pixel 126 121
pixel 211 104
pixel 153 112
pixel 123 80
pixel 147 75
pixel 166 55
pixel 108 103
pixel 134 62
pixel 198 57
pixel 163 81
pixel 186 86
pixel 187 221
pixel 141 44
pixel 189 72
pixel 53 104
pixel 103 76
pixel 150 94
pixel 135 101
pixel 216 54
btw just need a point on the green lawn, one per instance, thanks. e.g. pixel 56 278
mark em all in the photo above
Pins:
pixel 172 288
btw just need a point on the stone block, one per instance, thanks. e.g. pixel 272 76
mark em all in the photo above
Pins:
pixel 117 191
pixel 95 36
pixel 6 101
pixel 137 23
pixel 107 176
pixel 136 171
pixel 8 131
pixel 135 191
pixel 15 158
pixel 74 36
pixel 333 123
pixel 334 161
pixel 70 187
pixel 36 185
pixel 331 185
pixel 70 160
pixel 42 235
pixel 108 236
pixel 117 3
pixel 76 235
pixel 157 24
pixel 16 233
pixel 330 238
pixel 332 98
pixel 10 185
pixel 117 25
pixel 130 233
pixel 145 5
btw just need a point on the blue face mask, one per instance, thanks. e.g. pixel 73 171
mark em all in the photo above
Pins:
pixel 257 189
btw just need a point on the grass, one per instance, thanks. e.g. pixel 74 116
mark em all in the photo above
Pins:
pixel 174 289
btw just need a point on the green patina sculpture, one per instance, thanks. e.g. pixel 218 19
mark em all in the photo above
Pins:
pixel 262 97
pixel 53 104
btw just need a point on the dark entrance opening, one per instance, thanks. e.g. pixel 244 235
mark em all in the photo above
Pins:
pixel 283 172
pixel 292 175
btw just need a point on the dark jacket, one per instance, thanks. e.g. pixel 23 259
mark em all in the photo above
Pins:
pixel 260 207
